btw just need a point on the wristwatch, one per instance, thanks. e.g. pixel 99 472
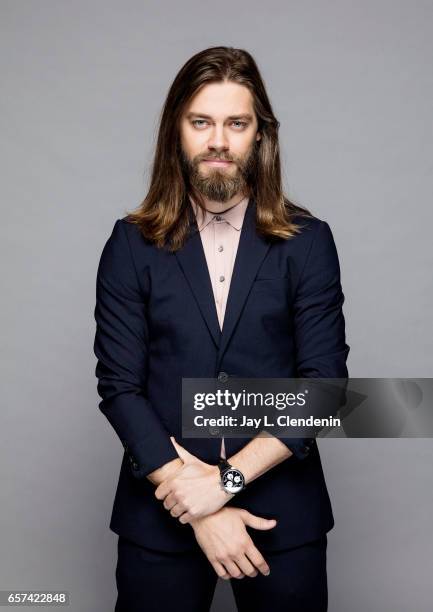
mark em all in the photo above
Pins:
pixel 232 479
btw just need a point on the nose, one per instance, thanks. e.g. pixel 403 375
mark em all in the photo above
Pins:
pixel 218 141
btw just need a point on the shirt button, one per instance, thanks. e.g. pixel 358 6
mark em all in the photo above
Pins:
pixel 220 248
pixel 218 218
pixel 222 278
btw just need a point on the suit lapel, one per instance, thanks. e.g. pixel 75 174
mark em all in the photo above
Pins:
pixel 251 251
pixel 192 260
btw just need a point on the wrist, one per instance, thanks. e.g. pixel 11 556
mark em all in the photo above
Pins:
pixel 216 479
pixel 166 471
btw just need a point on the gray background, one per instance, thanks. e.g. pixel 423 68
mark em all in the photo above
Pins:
pixel 83 84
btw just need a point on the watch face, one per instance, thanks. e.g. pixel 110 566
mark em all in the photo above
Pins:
pixel 233 480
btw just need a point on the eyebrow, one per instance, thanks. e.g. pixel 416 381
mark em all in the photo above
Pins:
pixel 246 116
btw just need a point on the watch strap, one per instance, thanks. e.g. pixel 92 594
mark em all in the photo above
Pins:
pixel 223 465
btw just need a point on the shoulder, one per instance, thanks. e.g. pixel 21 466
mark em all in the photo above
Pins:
pixel 115 256
pixel 312 252
pixel 126 248
pixel 126 236
pixel 312 231
pixel 310 225
pixel 133 233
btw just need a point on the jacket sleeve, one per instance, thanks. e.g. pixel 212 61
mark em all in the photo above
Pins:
pixel 121 348
pixel 319 325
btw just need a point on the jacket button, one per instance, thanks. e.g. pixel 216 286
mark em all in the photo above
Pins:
pixel 214 431
pixel 306 449
pixel 135 466
pixel 223 376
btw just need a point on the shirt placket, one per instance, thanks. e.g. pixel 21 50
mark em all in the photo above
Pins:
pixel 220 264
pixel 220 259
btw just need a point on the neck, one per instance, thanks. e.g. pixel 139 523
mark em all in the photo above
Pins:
pixel 220 207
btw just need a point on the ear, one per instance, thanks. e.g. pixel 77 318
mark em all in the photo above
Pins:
pixel 258 136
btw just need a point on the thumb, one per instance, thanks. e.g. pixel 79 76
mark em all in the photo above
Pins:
pixel 257 522
pixel 182 452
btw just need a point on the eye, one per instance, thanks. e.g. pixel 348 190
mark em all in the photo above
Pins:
pixel 198 121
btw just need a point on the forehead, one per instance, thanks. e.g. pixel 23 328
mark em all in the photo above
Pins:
pixel 220 99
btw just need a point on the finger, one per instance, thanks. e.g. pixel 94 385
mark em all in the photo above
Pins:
pixel 163 490
pixel 177 510
pixel 169 501
pixel 233 569
pixel 192 515
pixel 182 452
pixel 257 559
pixel 186 518
pixel 257 522
pixel 220 570
pixel 246 567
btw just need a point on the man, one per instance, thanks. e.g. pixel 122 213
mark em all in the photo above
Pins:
pixel 217 274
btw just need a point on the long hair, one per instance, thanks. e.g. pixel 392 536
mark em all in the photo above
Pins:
pixel 165 213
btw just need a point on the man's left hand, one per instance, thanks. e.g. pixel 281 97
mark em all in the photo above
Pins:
pixel 194 491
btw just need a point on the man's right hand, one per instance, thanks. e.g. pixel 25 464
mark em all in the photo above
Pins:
pixel 224 539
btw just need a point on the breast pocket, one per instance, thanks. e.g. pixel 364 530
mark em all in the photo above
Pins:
pixel 269 305
pixel 274 283
pixel 270 296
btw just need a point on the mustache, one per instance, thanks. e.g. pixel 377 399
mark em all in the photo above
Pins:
pixel 215 157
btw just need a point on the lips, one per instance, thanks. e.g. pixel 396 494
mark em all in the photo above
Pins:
pixel 218 162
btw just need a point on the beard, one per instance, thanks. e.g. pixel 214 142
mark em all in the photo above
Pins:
pixel 221 184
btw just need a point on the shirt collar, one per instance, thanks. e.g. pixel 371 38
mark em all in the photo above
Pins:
pixel 234 216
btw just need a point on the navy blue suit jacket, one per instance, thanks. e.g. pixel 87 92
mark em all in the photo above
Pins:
pixel 157 322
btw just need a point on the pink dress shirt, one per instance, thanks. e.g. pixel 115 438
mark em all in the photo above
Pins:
pixel 220 234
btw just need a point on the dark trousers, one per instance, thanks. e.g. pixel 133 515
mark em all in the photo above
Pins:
pixel 153 581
